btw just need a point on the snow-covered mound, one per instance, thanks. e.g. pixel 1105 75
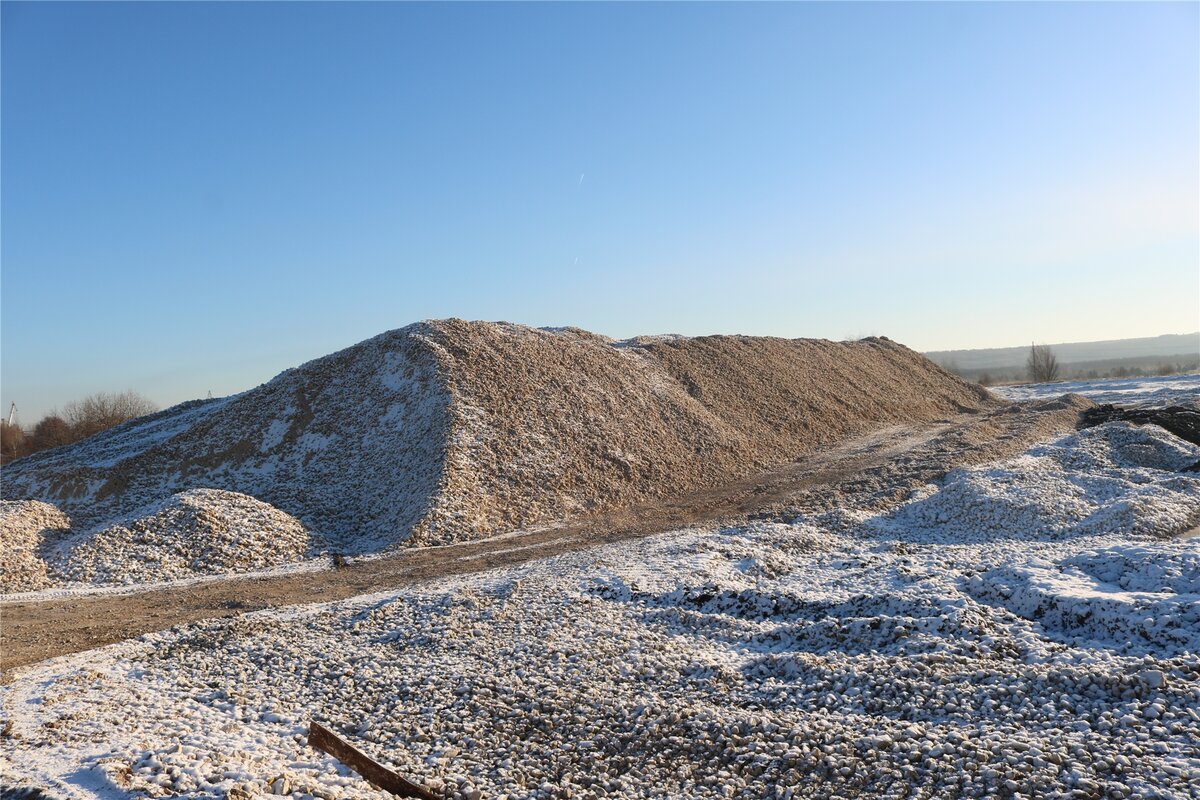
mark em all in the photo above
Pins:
pixel 197 532
pixel 1114 478
pixel 449 430
pixel 24 526
pixel 1119 446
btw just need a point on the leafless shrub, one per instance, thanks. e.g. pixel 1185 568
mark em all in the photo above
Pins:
pixel 1041 365
pixel 78 420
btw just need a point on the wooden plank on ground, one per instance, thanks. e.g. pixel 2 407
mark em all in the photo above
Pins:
pixel 326 740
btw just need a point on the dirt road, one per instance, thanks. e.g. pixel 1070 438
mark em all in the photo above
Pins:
pixel 33 631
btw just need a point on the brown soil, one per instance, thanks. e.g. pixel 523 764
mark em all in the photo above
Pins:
pixel 878 467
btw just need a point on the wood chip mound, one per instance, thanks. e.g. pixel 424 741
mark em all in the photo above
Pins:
pixel 450 430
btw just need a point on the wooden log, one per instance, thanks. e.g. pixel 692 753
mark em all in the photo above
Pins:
pixel 375 773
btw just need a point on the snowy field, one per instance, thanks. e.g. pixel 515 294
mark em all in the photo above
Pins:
pixel 1149 392
pixel 1025 628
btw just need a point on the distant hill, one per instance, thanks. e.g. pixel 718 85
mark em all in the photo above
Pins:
pixel 1149 355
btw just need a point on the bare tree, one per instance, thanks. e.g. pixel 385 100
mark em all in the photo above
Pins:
pixel 12 442
pixel 103 410
pixel 1041 365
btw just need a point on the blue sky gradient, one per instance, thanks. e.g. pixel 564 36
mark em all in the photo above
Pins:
pixel 197 196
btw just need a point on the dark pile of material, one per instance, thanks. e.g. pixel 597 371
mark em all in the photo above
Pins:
pixel 1180 421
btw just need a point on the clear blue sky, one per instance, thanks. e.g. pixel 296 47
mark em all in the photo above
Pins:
pixel 197 196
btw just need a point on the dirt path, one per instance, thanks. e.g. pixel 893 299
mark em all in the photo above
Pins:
pixel 33 631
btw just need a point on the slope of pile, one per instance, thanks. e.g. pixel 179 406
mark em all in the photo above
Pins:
pixel 552 423
pixel 450 430
pixel 198 532
pixel 349 444
pixel 24 527
pixel 780 393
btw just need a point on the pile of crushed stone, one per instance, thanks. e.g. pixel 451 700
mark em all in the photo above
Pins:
pixel 893 658
pixel 450 430
pixel 1114 478
pixel 983 438
pixel 26 526
pixel 197 532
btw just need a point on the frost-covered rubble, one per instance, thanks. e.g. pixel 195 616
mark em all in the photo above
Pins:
pixel 1053 652
pixel 197 532
pixel 200 532
pixel 1112 477
pixel 25 526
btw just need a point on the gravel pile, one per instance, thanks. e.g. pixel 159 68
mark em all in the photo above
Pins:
pixel 451 430
pixel 990 436
pixel 198 532
pixel 777 659
pixel 25 527
pixel 1182 421
pixel 552 424
pixel 350 444
pixel 1115 477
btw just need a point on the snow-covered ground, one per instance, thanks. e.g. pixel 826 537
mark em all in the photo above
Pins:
pixel 1150 392
pixel 1026 628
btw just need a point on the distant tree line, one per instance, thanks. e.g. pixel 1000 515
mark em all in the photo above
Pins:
pixel 78 420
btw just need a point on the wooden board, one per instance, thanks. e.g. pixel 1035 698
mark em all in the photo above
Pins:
pixel 327 741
